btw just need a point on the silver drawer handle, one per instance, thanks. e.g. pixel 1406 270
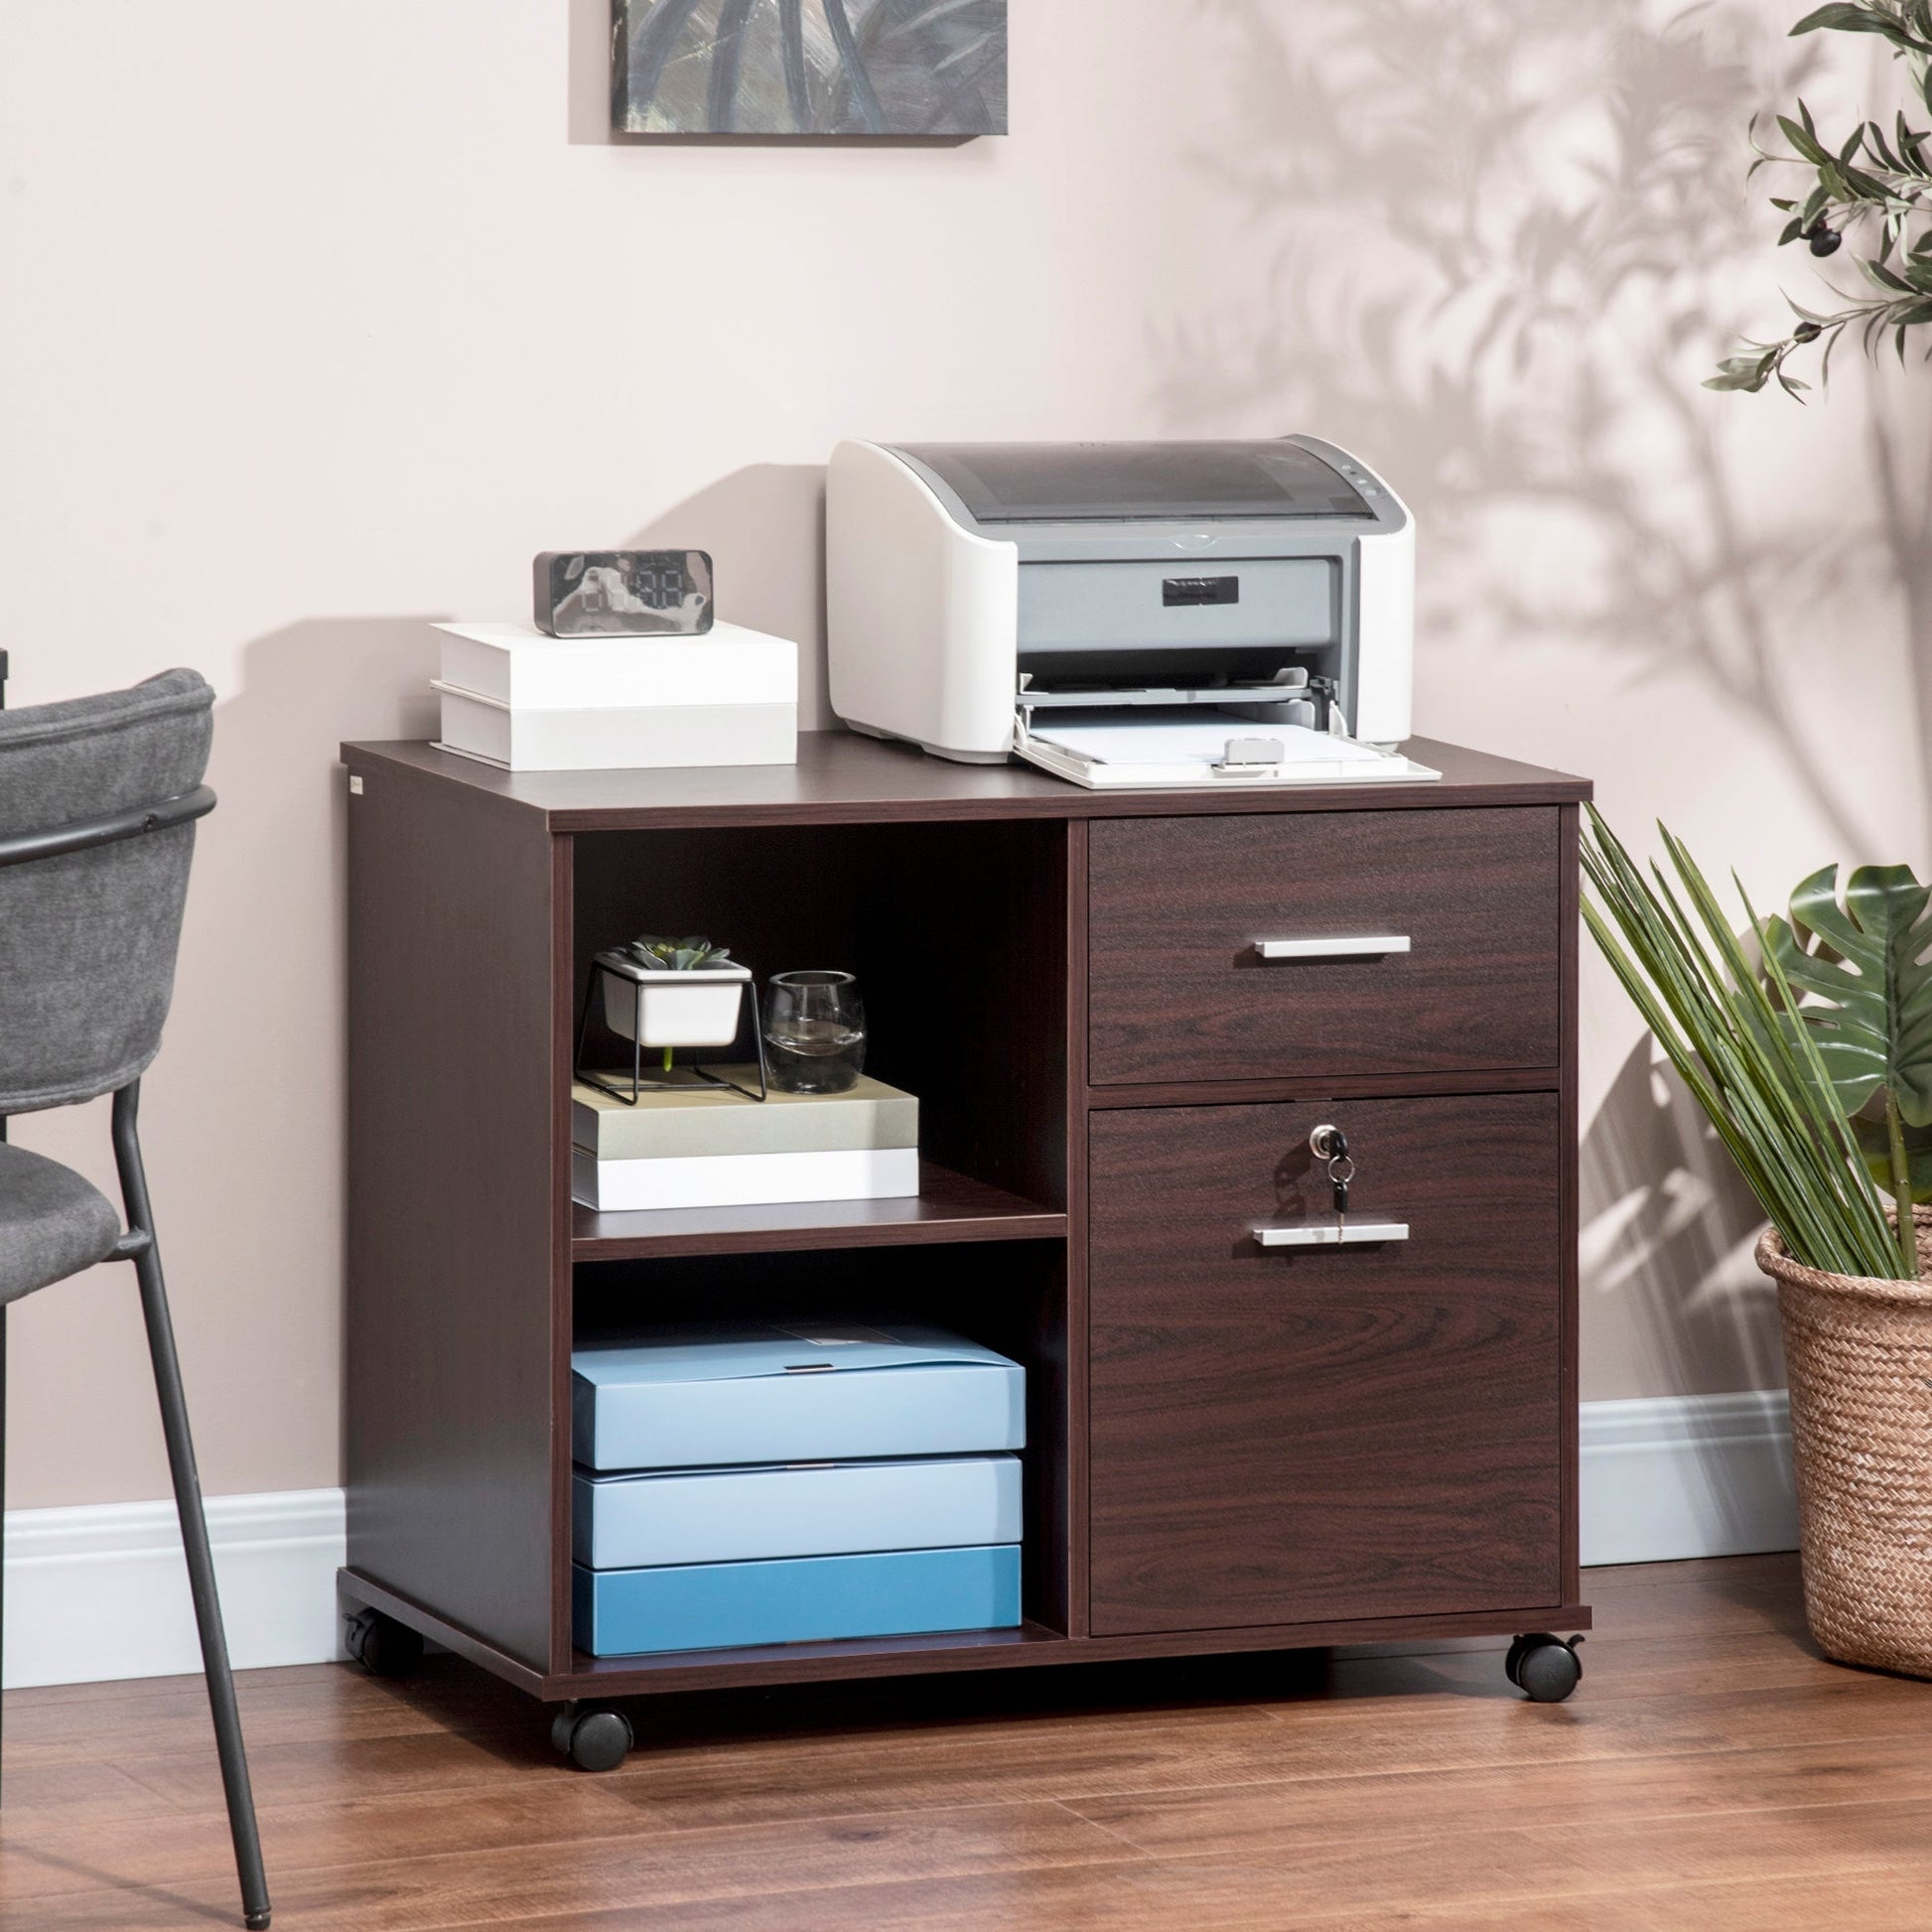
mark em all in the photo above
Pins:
pixel 1362 948
pixel 1333 1234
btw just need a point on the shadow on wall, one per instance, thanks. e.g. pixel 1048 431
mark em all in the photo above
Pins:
pixel 1506 239
pixel 1497 247
pixel 261 964
pixel 1668 1232
pixel 765 526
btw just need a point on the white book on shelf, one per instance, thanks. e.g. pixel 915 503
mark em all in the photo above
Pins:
pixel 515 664
pixel 742 1180
pixel 627 737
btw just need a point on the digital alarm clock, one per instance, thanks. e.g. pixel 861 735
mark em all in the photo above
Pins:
pixel 624 593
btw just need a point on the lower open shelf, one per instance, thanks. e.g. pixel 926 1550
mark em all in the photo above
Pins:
pixel 948 1208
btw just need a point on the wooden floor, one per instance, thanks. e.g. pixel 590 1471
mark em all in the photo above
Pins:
pixel 1711 1772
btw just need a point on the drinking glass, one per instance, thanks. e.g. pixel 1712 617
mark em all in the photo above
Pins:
pixel 814 1032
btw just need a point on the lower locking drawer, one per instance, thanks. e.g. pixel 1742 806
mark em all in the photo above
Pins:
pixel 1296 1431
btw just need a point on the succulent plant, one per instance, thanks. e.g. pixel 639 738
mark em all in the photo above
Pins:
pixel 677 955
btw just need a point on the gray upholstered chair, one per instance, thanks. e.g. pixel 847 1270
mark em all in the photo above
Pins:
pixel 97 802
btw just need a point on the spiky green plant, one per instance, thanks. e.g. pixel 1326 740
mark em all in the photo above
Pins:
pixel 1819 1098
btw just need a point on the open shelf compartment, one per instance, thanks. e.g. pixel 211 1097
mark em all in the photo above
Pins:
pixel 1009 1296
pixel 957 935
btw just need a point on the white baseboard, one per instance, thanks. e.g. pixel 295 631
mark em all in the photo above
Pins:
pixel 101 1591
pixel 1702 1475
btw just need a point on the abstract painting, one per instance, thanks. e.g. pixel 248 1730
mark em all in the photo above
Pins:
pixel 809 66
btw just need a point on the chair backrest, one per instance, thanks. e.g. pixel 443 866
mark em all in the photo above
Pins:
pixel 87 939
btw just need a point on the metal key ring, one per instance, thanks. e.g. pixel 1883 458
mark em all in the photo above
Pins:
pixel 1336 1168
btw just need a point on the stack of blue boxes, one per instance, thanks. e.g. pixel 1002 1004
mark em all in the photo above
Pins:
pixel 759 1485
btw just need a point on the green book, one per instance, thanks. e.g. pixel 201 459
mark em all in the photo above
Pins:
pixel 694 1118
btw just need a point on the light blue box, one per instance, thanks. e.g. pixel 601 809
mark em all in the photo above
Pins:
pixel 803 1599
pixel 660 1517
pixel 698 1398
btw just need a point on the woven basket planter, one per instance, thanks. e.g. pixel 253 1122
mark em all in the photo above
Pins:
pixel 1858 1358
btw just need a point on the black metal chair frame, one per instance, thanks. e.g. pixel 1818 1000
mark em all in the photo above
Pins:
pixel 138 1245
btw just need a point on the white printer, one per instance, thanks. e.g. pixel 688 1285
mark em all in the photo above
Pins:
pixel 1125 614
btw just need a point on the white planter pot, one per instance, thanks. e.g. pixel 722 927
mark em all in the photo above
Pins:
pixel 697 1008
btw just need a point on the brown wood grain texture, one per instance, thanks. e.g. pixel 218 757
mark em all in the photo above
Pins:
pixel 948 1208
pixel 842 777
pixel 1179 993
pixel 1712 1771
pixel 1280 1435
pixel 452 1183
pixel 964 899
pixel 1569 1387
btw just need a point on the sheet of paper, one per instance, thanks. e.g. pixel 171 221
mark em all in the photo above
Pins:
pixel 1195 736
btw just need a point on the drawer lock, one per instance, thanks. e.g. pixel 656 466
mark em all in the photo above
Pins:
pixel 1330 1143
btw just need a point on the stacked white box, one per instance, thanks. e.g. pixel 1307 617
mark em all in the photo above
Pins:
pixel 515 698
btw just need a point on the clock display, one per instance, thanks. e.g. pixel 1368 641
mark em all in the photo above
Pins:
pixel 624 593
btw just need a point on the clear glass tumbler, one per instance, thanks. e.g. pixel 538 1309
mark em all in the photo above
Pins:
pixel 814 1032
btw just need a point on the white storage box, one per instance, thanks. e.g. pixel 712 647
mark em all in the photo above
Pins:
pixel 515 698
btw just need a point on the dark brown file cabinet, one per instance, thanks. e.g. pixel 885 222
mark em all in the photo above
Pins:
pixel 1123 1015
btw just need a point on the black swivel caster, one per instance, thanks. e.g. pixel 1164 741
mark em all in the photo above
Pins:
pixel 593 1740
pixel 382 1646
pixel 1544 1668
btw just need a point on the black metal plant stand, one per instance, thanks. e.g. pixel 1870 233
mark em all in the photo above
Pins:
pixel 641 1082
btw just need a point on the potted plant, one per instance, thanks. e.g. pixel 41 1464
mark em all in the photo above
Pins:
pixel 1809 1044
pixel 671 993
pixel 1875 188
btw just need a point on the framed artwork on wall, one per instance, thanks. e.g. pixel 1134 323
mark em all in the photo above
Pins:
pixel 854 68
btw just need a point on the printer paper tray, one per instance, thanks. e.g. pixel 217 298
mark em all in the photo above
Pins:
pixel 1386 767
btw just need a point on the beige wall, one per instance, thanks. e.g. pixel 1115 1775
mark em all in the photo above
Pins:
pixel 321 321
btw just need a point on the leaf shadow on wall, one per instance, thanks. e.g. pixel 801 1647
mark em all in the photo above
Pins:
pixel 1503 242
pixel 1497 247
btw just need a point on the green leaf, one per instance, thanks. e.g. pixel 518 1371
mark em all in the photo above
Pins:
pixel 1763 1089
pixel 1803 141
pixel 1874 1030
pixel 1846 18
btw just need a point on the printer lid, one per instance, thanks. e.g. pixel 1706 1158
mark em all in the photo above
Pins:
pixel 1080 482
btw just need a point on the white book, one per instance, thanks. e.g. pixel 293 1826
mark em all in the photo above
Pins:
pixel 628 737
pixel 742 1180
pixel 517 665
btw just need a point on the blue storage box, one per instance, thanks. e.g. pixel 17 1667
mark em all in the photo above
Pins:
pixel 698 1398
pixel 714 1605
pixel 661 1517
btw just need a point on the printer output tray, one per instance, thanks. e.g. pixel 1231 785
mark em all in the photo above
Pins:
pixel 1358 765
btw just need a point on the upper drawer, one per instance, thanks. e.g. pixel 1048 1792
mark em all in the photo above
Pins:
pixel 1180 910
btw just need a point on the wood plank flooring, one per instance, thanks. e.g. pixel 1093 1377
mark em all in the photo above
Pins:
pixel 1711 1772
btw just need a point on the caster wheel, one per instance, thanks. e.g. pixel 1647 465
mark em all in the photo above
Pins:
pixel 593 1740
pixel 1544 1668
pixel 382 1646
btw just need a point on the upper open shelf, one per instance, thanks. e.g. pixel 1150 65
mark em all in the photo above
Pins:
pixel 948 1208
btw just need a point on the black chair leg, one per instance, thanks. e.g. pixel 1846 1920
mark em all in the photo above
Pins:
pixel 193 1525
